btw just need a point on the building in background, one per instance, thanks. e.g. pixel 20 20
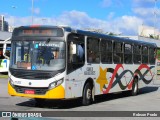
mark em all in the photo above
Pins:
pixel 3 24
pixel 10 28
pixel 148 32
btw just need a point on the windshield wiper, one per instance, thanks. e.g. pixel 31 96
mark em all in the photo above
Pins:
pixel 48 40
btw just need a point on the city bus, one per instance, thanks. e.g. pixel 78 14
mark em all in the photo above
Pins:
pixel 55 63
pixel 5 48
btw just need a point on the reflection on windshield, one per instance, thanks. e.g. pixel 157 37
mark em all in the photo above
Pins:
pixel 38 55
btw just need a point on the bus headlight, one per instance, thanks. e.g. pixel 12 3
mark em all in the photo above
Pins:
pixel 11 82
pixel 55 84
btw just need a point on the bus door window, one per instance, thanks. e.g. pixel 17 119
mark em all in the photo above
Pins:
pixel 93 54
pixel 118 52
pixel 72 48
pixel 80 52
pixel 76 51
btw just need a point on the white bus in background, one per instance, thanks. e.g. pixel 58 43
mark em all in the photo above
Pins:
pixel 52 62
pixel 5 48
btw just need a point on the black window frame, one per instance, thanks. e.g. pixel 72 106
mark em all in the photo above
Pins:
pixel 128 54
pixel 93 56
pixel 137 54
pixel 107 51
pixel 152 59
pixel 117 54
pixel 145 55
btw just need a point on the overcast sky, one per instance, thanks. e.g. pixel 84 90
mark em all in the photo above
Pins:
pixel 118 16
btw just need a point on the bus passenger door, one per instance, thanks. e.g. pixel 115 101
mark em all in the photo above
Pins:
pixel 75 63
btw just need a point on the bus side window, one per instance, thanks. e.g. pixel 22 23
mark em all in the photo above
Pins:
pixel 93 53
pixel 152 56
pixel 144 54
pixel 137 54
pixel 106 51
pixel 118 52
pixel 127 54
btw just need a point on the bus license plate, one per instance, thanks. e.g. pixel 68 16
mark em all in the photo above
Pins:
pixel 29 92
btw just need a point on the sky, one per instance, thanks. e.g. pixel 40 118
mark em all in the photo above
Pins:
pixel 118 16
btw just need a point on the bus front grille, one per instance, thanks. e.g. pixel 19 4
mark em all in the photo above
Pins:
pixel 38 91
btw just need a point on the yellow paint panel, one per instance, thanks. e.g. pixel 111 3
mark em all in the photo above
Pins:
pixel 56 93
pixel 102 79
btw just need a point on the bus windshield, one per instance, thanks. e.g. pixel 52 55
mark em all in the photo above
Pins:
pixel 38 55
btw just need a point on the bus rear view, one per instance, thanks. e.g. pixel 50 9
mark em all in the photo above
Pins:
pixel 37 65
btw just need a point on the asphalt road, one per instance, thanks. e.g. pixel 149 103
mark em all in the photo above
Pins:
pixel 147 100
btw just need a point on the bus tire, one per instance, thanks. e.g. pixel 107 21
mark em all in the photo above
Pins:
pixel 87 94
pixel 135 89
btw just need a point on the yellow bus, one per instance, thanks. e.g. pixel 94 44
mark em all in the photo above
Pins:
pixel 55 62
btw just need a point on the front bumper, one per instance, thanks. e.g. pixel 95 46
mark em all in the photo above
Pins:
pixel 56 93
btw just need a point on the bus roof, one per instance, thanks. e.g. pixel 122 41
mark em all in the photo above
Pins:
pixel 94 34
pixel 109 37
pixel 5 35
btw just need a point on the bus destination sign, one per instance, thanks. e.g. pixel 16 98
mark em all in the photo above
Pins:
pixel 56 32
pixel 38 32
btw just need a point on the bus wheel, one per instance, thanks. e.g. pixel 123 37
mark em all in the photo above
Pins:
pixel 87 95
pixel 134 87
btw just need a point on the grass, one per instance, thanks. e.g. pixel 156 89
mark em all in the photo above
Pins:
pixel 3 75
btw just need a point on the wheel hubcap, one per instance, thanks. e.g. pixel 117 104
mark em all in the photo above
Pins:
pixel 88 94
pixel 135 88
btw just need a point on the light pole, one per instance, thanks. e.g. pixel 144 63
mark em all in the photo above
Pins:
pixel 32 10
pixel 155 17
pixel 14 7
